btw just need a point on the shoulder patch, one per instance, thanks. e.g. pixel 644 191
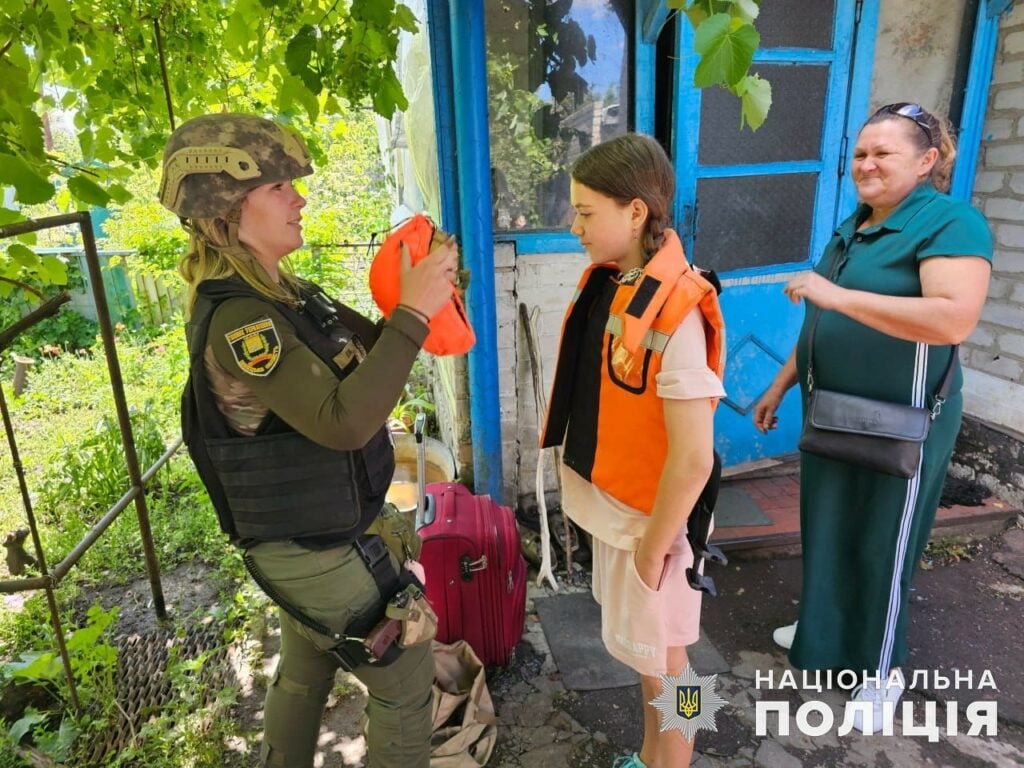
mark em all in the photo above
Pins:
pixel 256 347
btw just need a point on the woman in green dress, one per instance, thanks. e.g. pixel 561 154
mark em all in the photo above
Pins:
pixel 901 280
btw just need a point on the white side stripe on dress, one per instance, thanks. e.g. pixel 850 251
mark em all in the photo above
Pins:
pixel 906 518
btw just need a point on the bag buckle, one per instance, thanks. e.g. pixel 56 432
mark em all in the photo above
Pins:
pixel 372 549
pixel 350 653
pixel 936 408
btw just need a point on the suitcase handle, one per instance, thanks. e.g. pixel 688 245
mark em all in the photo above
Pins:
pixel 425 508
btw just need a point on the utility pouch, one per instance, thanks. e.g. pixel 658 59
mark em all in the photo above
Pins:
pixel 398 530
pixel 417 619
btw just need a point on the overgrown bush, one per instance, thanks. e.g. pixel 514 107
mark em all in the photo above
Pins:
pixel 93 474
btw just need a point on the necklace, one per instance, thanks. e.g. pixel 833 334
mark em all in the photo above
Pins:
pixel 631 276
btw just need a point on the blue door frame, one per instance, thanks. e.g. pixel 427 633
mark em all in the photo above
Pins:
pixel 458 44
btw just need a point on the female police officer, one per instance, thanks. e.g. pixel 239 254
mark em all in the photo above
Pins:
pixel 283 415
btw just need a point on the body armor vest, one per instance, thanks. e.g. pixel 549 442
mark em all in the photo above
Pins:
pixel 279 484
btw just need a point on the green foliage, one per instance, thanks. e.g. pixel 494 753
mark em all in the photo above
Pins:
pixel 142 225
pixel 725 38
pixel 92 661
pixel 65 332
pixel 347 199
pixel 94 666
pixel 948 550
pixel 93 474
pixel 98 63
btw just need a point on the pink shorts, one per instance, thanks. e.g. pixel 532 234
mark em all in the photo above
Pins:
pixel 639 624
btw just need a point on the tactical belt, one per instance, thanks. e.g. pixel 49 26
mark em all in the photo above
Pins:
pixel 348 650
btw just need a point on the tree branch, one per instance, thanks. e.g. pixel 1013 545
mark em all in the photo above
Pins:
pixel 43 311
pixel 23 286
pixel 163 70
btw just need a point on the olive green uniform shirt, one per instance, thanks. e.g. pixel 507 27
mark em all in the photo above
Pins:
pixel 340 414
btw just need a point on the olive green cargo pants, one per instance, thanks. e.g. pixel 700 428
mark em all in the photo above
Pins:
pixel 335 587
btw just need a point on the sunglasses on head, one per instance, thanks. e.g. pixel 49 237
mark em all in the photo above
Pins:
pixel 911 111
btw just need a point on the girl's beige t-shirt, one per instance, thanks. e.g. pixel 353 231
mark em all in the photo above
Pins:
pixel 684 375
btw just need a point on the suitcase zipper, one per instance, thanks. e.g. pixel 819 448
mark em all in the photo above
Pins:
pixel 469 567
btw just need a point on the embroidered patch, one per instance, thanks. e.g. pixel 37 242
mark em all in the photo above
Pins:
pixel 256 347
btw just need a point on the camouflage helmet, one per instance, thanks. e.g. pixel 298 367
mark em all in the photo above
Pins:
pixel 212 162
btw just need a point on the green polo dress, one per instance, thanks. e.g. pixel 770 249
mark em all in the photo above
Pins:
pixel 863 532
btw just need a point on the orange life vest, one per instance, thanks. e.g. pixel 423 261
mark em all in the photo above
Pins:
pixel 450 331
pixel 620 443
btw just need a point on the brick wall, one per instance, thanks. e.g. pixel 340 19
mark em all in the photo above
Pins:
pixel 994 354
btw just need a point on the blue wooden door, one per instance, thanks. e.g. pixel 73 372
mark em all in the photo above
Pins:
pixel 758 207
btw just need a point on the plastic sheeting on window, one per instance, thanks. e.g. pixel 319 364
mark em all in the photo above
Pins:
pixel 408 142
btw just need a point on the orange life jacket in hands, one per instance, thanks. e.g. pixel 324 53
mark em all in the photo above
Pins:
pixel 620 444
pixel 450 331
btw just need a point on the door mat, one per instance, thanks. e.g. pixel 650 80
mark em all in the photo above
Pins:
pixel 735 509
pixel 572 626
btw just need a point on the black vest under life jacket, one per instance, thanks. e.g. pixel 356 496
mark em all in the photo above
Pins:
pixel 278 484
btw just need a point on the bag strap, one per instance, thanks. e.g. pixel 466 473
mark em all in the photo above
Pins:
pixel 941 392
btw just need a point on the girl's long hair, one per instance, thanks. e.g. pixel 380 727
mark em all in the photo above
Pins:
pixel 628 167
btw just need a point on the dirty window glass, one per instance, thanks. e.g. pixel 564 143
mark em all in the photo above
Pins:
pixel 753 221
pixel 792 133
pixel 558 83
pixel 796 24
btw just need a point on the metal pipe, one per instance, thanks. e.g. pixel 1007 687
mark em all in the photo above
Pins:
pixel 472 139
pixel 51 599
pixel 61 569
pixel 121 406
pixel 34 225
pixel 64 566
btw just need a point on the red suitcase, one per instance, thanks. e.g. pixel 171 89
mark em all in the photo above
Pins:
pixel 475 572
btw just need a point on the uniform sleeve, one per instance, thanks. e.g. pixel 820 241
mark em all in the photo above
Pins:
pixel 303 391
pixel 964 232
pixel 684 371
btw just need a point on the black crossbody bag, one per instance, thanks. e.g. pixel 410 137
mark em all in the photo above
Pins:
pixel 872 434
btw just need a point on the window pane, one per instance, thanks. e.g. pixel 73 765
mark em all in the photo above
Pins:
pixel 796 23
pixel 558 82
pixel 753 221
pixel 792 131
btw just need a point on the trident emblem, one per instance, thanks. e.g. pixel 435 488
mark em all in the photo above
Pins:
pixel 688 705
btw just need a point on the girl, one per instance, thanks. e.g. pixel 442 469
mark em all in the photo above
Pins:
pixel 638 375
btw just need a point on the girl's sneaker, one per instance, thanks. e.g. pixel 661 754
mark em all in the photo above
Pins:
pixel 633 761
